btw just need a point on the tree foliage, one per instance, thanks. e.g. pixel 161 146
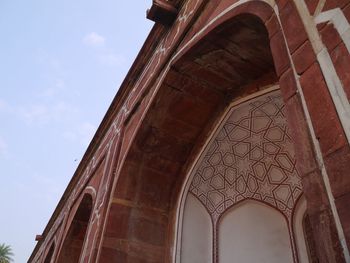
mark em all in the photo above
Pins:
pixel 5 253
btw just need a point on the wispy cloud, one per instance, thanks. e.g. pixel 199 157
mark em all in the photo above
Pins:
pixel 87 131
pixel 50 61
pixel 82 133
pixel 34 113
pixel 47 109
pixel 104 55
pixel 46 112
pixel 51 92
pixel 3 147
pixel 70 136
pixel 51 187
pixel 94 39
pixel 111 59
pixel 4 106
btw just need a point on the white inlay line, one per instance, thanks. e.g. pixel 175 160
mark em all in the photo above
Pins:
pixel 341 24
pixel 339 98
pixel 334 84
pixel 320 6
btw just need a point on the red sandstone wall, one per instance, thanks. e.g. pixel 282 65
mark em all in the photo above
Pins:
pixel 302 79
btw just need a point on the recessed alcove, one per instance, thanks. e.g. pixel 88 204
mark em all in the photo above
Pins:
pixel 74 240
pixel 231 63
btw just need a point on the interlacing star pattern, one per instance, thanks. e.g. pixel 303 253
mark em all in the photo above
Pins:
pixel 250 156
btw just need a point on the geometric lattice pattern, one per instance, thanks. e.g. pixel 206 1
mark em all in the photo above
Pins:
pixel 250 156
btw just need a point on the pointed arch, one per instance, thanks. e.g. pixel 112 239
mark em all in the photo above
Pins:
pixel 50 253
pixel 73 242
pixel 197 232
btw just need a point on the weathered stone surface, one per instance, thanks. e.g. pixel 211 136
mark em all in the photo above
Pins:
pixel 272 25
pixel 315 192
pixel 341 59
pixel 328 246
pixel 331 4
pixel 118 227
pixel 288 84
pixel 342 204
pixel 330 37
pixel 281 3
pixel 303 57
pixel 324 117
pixel 312 5
pixel 279 53
pixel 292 26
pixel 164 124
pixel 338 167
pixel 346 11
pixel 304 151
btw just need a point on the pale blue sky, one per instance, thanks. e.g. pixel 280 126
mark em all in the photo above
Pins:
pixel 62 62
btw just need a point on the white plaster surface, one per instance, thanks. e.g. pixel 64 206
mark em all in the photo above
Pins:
pixel 253 232
pixel 197 235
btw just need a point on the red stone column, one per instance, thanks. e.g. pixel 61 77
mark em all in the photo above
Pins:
pixel 97 221
pixel 324 119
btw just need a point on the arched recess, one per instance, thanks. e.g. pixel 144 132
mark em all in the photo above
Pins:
pixel 299 231
pixel 197 233
pixel 49 254
pixel 254 232
pixel 73 243
pixel 231 60
pixel 249 156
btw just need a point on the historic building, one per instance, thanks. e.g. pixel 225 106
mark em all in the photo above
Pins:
pixel 228 141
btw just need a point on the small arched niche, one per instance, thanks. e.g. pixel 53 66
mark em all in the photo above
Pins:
pixel 73 243
pixel 49 254
pixel 197 233
pixel 253 232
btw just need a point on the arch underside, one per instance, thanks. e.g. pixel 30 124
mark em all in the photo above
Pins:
pixel 233 61
pixel 73 242
pixel 249 157
pixel 219 58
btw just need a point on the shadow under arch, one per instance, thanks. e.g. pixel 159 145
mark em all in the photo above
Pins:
pixel 72 246
pixel 50 253
pixel 232 60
